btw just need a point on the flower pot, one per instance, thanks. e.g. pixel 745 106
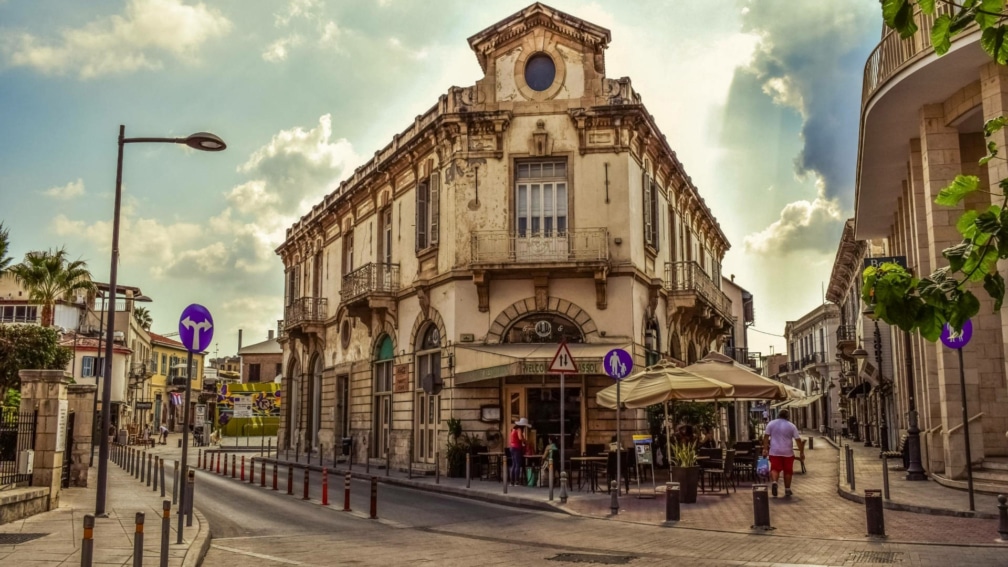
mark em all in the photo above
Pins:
pixel 688 479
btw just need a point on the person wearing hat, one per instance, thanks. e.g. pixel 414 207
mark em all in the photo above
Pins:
pixel 516 446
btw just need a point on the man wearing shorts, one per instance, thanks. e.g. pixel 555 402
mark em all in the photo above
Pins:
pixel 777 443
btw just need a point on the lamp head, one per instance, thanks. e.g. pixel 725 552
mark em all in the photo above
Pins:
pixel 205 141
pixel 859 353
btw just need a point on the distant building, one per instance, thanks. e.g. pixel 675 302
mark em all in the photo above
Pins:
pixel 261 362
pixel 169 380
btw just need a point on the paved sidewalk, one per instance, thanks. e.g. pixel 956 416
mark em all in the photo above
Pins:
pixel 925 497
pixel 60 532
pixel 817 510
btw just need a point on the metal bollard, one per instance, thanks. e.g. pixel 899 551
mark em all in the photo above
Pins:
pixel 274 476
pixel 262 475
pixel 190 491
pixel 154 472
pixel 290 480
pixel 1003 516
pixel 162 479
pixel 217 455
pixel 165 531
pixel 505 477
pixel 850 464
pixel 671 501
pixel 374 498
pixel 199 458
pixel 138 541
pixel 346 493
pixel 144 459
pixel 234 469
pixel 325 486
pixel 550 472
pixel 437 467
pixel 269 447
pixel 388 461
pixel 174 487
pixel 306 481
pixel 563 487
pixel 614 498
pixel 251 469
pixel 761 507
pixel 243 469
pixel 87 543
pixel 885 477
pixel 150 468
pixel 468 469
pixel 873 512
pixel 810 439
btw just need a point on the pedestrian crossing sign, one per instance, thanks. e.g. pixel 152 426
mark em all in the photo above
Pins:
pixel 563 362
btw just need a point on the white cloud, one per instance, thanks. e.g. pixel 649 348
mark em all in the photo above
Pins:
pixel 279 49
pixel 138 39
pixel 68 191
pixel 803 225
pixel 415 54
pixel 297 9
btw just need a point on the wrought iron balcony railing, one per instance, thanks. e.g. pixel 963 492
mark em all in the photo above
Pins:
pixel 369 279
pixel 814 358
pixel 689 276
pixel 581 245
pixel 846 334
pixel 306 310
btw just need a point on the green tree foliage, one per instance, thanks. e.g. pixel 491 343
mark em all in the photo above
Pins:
pixel 5 260
pixel 48 277
pixel 925 304
pixel 143 317
pixel 28 347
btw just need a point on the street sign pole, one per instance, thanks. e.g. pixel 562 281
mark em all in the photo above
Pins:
pixel 562 364
pixel 195 332
pixel 618 363
pixel 185 444
pixel 957 341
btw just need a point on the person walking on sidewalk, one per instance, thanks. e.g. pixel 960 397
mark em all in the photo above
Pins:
pixel 777 444
pixel 516 445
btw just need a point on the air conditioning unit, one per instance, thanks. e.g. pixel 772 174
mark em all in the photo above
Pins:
pixel 119 336
pixel 26 461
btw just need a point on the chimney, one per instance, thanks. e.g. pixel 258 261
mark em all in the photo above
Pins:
pixel 239 339
pixel 270 337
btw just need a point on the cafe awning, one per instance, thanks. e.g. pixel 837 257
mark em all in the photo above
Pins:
pixel 476 363
pixel 804 402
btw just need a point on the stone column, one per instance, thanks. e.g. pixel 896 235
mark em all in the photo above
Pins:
pixel 81 398
pixel 45 391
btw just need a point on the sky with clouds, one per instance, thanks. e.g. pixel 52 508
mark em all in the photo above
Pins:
pixel 760 99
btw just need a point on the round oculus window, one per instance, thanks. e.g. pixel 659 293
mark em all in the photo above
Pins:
pixel 540 71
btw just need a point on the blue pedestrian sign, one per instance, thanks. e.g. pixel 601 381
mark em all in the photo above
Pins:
pixel 953 339
pixel 195 328
pixel 618 363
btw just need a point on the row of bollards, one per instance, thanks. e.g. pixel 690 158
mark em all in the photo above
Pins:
pixel 87 540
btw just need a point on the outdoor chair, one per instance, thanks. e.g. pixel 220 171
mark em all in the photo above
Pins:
pixel 745 459
pixel 725 474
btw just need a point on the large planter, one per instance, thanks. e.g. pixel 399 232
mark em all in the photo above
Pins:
pixel 688 479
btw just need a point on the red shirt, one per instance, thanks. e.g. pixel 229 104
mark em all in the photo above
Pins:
pixel 515 441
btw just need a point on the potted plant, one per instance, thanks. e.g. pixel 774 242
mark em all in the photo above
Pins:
pixel 459 445
pixel 685 471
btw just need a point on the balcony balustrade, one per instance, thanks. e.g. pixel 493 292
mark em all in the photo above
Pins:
pixel 370 279
pixel 813 359
pixel 305 310
pixel 689 277
pixel 846 336
pixel 503 247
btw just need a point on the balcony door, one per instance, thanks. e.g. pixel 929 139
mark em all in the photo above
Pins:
pixel 541 211
pixel 428 404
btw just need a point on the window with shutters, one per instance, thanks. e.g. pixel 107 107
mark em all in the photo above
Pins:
pixel 428 212
pixel 650 191
pixel 348 263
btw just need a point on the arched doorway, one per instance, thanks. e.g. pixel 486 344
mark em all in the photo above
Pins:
pixel 381 409
pixel 293 402
pixel 428 404
pixel 314 402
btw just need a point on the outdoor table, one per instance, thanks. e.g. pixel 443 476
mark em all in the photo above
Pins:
pixel 493 464
pixel 588 465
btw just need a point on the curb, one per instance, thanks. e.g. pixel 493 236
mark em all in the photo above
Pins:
pixel 200 545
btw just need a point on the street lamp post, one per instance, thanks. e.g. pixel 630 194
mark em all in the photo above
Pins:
pixel 199 141
pixel 883 429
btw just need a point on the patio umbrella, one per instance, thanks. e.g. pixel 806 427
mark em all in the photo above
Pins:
pixel 746 384
pixel 663 382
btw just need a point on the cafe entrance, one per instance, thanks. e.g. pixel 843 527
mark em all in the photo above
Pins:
pixel 540 403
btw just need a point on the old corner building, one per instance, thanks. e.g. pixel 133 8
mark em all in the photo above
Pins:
pixel 540 205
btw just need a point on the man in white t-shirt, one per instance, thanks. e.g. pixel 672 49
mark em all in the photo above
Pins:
pixel 777 444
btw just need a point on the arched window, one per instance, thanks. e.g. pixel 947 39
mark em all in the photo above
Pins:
pixel 543 328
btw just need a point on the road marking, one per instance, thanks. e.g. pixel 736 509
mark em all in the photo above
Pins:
pixel 257 555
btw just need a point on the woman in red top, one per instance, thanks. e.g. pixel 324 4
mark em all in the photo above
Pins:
pixel 516 446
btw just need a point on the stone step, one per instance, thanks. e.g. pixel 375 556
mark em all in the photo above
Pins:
pixel 994 476
pixel 999 464
pixel 979 485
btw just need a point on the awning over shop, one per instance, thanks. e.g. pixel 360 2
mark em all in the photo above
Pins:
pixel 861 389
pixel 476 363
pixel 804 402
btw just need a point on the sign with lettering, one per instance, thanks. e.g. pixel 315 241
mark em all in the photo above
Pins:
pixel 878 261
pixel 401 378
pixel 242 406
pixel 61 425
pixel 140 406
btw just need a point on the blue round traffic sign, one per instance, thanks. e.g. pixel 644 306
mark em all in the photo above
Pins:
pixel 952 339
pixel 618 363
pixel 195 328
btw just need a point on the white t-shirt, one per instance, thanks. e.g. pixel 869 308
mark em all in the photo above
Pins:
pixel 782 432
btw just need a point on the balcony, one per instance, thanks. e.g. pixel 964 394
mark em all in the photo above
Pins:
pixel 140 371
pixel 810 360
pixel 304 315
pixel 846 338
pixel 695 297
pixel 369 292
pixel 541 255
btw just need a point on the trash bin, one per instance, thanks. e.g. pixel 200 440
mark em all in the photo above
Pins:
pixel 347 443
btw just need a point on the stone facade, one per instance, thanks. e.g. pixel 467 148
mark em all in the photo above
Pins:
pixel 915 139
pixel 540 205
pixel 45 392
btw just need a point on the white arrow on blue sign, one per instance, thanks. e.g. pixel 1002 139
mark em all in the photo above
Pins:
pixel 618 363
pixel 195 328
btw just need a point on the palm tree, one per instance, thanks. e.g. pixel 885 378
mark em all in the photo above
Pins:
pixel 5 260
pixel 143 317
pixel 49 277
